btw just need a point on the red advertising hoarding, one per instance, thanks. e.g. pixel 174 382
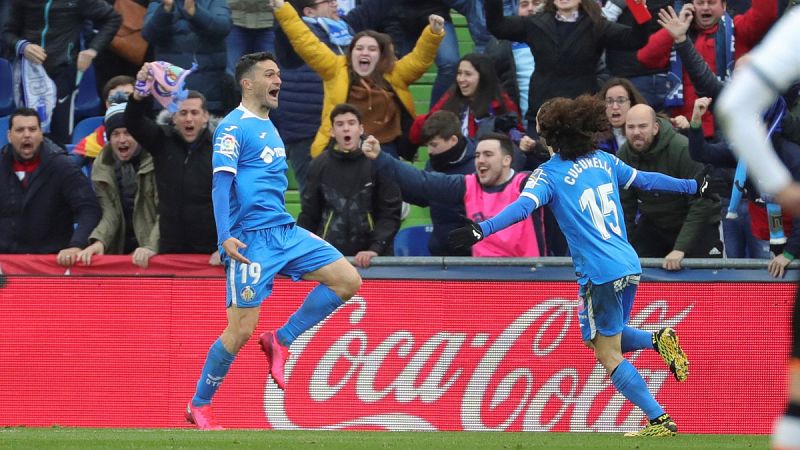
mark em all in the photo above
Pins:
pixel 402 355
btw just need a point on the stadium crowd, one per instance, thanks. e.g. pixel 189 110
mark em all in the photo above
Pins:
pixel 138 181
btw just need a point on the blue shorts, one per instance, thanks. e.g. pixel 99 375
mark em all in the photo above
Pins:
pixel 606 308
pixel 286 249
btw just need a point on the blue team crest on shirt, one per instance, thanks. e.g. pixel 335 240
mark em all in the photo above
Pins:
pixel 226 144
pixel 247 293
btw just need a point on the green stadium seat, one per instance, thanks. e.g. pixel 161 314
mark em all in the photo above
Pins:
pixel 421 91
pixel 292 198
pixel 293 209
pixel 292 179
pixel 428 77
pixel 416 216
pixel 458 19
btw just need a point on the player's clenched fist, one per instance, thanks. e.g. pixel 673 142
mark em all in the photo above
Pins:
pixel 465 236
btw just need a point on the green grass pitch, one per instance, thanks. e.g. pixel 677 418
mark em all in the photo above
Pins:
pixel 120 439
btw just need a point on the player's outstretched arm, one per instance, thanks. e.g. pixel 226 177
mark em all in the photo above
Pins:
pixel 515 212
pixel 703 185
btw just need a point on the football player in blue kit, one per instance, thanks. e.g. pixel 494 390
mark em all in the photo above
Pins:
pixel 581 186
pixel 258 238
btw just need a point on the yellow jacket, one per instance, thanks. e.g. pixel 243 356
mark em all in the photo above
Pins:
pixel 333 68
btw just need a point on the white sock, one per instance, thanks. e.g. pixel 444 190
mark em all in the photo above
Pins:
pixel 786 435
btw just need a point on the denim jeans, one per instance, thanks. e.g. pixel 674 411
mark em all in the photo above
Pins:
pixel 242 41
pixel 472 10
pixel 446 60
pixel 738 238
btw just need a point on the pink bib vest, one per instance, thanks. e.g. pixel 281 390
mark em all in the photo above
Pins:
pixel 518 240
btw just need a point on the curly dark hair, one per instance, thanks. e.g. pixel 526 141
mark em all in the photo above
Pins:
pixel 570 126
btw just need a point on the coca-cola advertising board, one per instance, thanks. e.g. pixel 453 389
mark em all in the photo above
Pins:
pixel 402 355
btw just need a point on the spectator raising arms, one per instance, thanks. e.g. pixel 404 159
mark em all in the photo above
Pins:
pixel 367 76
pixel 302 94
pixel 181 151
pixel 192 31
pixel 567 41
pixel 720 40
pixel 478 100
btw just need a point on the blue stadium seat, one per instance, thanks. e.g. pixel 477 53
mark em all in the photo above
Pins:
pixel 4 130
pixel 87 102
pixel 413 241
pixel 6 89
pixel 85 128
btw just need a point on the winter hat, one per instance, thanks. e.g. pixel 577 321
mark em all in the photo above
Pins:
pixel 115 118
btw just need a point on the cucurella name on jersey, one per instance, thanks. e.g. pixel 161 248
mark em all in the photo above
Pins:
pixel 583 164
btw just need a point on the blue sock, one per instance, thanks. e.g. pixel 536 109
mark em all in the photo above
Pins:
pixel 321 301
pixel 630 383
pixel 216 367
pixel 635 339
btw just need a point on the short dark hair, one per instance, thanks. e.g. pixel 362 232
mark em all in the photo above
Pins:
pixel 197 94
pixel 24 112
pixel 117 81
pixel 344 108
pixel 246 63
pixel 506 146
pixel 442 124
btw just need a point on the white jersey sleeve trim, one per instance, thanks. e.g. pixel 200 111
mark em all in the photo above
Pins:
pixel 630 182
pixel 532 197
pixel 225 169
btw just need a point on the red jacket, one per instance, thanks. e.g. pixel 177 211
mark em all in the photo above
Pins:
pixel 415 135
pixel 748 30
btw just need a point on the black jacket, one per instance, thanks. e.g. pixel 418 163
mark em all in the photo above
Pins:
pixel 63 20
pixel 349 205
pixel 57 211
pixel 183 177
pixel 565 67
pixel 502 54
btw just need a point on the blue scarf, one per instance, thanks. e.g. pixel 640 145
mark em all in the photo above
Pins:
pixel 773 116
pixel 725 43
pixel 338 30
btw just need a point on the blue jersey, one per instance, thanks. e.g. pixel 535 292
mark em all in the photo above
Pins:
pixel 584 197
pixel 251 148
